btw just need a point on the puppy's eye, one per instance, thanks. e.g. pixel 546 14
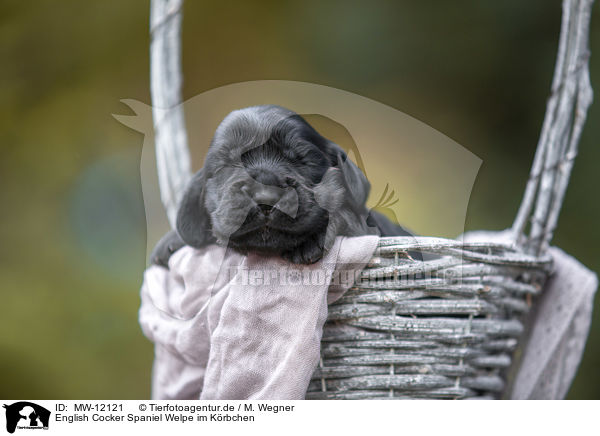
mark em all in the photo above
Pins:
pixel 218 170
pixel 291 182
pixel 315 160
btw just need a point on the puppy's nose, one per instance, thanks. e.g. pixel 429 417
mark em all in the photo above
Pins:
pixel 268 195
pixel 264 195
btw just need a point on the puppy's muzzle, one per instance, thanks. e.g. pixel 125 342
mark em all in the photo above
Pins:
pixel 269 197
pixel 266 197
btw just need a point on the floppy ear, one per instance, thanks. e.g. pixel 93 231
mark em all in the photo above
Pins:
pixel 356 183
pixel 193 221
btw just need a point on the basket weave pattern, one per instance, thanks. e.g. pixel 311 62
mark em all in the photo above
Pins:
pixel 439 328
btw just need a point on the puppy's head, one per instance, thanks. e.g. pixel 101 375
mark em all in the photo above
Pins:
pixel 272 184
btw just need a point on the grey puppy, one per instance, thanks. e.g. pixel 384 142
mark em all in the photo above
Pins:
pixel 272 184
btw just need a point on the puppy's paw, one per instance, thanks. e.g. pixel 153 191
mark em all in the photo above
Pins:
pixel 307 253
pixel 168 245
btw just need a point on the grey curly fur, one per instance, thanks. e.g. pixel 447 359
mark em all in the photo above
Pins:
pixel 315 192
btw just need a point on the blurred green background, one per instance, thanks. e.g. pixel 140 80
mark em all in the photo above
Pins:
pixel 72 227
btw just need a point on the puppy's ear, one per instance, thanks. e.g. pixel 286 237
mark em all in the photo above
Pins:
pixel 357 185
pixel 193 220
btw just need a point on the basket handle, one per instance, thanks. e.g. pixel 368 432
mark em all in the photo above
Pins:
pixel 172 153
pixel 566 112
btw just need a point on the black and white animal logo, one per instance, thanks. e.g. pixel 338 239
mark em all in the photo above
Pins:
pixel 26 415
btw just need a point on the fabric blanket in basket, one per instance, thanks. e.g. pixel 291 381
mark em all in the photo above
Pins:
pixel 227 326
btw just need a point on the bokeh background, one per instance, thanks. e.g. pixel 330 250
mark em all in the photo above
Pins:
pixel 72 225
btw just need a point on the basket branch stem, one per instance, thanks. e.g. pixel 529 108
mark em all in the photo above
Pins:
pixel 566 112
pixel 172 153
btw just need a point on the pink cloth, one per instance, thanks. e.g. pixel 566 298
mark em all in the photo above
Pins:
pixel 227 326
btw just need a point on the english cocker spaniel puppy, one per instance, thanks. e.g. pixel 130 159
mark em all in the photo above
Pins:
pixel 272 184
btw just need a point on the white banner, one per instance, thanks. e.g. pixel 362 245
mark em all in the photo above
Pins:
pixel 368 418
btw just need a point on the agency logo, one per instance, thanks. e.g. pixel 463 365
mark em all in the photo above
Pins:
pixel 26 415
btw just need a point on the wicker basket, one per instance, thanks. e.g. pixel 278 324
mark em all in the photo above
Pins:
pixel 445 327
